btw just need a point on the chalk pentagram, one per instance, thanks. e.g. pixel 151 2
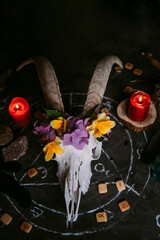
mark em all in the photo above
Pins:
pixel 108 169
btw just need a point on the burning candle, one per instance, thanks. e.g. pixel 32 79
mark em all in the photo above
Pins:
pixel 19 111
pixel 139 106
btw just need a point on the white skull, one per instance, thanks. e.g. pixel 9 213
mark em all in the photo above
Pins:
pixel 74 173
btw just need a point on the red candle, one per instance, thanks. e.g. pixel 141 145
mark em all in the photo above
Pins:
pixel 139 106
pixel 19 111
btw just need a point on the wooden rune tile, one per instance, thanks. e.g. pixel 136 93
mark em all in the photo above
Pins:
pixel 6 218
pixel 37 114
pixel 102 188
pixel 142 53
pixel 101 217
pixel 26 227
pixel 120 185
pixel 129 66
pixel 118 69
pixel 2 87
pixel 32 172
pixel 138 71
pixel 128 89
pixel 105 110
pixel 124 206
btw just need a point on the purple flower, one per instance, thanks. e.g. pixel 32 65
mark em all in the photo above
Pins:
pixel 43 129
pixel 76 134
pixel 109 135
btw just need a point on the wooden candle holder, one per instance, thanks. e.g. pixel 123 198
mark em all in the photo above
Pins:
pixel 122 110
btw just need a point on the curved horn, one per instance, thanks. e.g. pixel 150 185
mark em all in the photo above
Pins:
pixel 48 80
pixel 99 81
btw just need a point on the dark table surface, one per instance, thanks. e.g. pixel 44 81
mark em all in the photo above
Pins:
pixel 74 36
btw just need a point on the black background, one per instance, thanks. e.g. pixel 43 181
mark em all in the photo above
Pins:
pixel 74 35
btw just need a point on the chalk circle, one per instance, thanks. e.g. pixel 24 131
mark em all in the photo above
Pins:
pixel 99 167
pixel 89 211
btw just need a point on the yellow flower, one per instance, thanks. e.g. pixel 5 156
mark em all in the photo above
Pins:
pixel 101 126
pixel 51 148
pixel 60 124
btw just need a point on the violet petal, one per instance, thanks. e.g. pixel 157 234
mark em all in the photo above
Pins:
pixel 67 139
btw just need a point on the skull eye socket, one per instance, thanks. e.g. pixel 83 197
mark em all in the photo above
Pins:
pixel 93 151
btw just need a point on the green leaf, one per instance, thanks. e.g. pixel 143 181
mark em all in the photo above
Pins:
pixel 90 112
pixel 54 114
pixel 100 139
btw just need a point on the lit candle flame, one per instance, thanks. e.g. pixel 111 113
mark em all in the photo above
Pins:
pixel 17 106
pixel 140 100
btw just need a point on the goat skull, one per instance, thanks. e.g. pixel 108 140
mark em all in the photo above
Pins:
pixel 74 173
pixel 74 166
